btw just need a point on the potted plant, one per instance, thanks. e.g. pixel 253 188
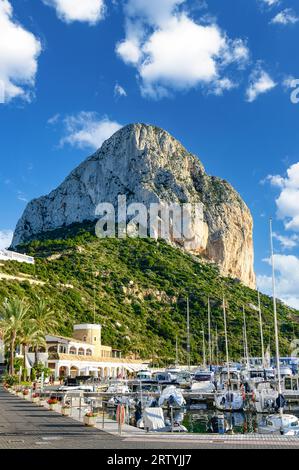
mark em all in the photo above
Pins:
pixel 53 404
pixel 66 410
pixel 35 398
pixel 90 419
pixel 26 393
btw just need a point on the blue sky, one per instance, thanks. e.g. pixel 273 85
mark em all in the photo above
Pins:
pixel 216 74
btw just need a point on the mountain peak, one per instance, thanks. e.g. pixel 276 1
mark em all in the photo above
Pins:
pixel 148 165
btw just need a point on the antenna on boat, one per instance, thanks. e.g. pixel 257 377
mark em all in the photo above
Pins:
pixel 261 327
pixel 275 319
pixel 209 332
pixel 226 341
pixel 188 333
pixel 245 339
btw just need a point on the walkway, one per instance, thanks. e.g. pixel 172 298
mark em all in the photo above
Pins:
pixel 24 425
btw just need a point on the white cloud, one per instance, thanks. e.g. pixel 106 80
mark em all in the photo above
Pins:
pixel 287 269
pixel 173 52
pixel 53 119
pixel 287 201
pixel 19 51
pixel 287 16
pixel 87 130
pixel 270 3
pixel 5 238
pixel 21 196
pixel 119 91
pixel 89 11
pixel 260 82
pixel 287 243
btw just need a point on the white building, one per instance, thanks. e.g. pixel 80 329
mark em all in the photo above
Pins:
pixel 7 255
pixel 84 355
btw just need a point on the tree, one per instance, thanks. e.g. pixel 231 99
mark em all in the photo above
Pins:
pixel 13 314
pixel 30 336
pixel 45 320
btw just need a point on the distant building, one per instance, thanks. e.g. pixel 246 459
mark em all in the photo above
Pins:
pixel 84 355
pixel 7 255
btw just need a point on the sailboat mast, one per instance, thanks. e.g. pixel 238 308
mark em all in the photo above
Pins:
pixel 275 311
pixel 245 339
pixel 209 332
pixel 188 334
pixel 217 349
pixel 226 341
pixel 204 349
pixel 176 352
pixel 261 328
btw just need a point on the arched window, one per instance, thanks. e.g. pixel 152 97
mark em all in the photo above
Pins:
pixel 73 350
pixel 81 352
pixel 88 352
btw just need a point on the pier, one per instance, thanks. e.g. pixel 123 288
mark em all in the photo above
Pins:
pixel 24 425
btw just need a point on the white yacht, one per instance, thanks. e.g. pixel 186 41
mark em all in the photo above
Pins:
pixel 229 401
pixel 118 388
pixel 144 375
pixel 153 421
pixel 203 382
pixel 264 397
pixel 172 396
pixel 290 385
pixel 280 424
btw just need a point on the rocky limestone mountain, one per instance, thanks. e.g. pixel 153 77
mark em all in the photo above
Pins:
pixel 148 165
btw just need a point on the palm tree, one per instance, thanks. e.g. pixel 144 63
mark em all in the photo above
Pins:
pixel 45 319
pixel 13 314
pixel 30 336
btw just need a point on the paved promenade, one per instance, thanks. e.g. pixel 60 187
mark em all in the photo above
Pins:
pixel 24 425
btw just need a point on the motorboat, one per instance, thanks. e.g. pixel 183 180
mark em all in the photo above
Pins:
pixel 144 375
pixel 181 377
pixel 230 376
pixel 203 382
pixel 118 388
pixel 172 397
pixel 290 385
pixel 153 420
pixel 229 401
pixel 285 371
pixel 285 424
pixel 164 377
pixel 264 397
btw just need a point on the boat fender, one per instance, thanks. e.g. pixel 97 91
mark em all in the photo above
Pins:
pixel 120 414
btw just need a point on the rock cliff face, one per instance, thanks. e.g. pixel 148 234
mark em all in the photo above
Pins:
pixel 148 165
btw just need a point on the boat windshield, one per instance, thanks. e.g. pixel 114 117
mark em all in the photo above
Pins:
pixel 202 377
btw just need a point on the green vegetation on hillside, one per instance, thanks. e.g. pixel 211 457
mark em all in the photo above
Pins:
pixel 137 290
